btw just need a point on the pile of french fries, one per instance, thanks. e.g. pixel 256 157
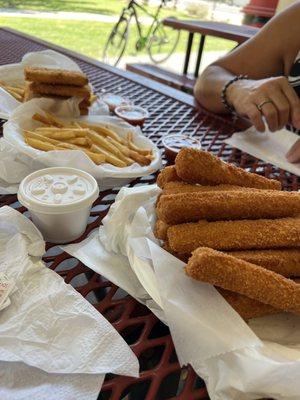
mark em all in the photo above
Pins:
pixel 18 92
pixel 102 145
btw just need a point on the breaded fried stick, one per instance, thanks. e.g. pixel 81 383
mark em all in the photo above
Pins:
pixel 239 276
pixel 227 205
pixel 247 308
pixel 160 230
pixel 59 90
pixel 235 235
pixel 285 262
pixel 55 76
pixel 197 166
pixel 183 187
pixel 168 174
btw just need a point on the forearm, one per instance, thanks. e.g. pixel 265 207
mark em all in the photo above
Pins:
pixel 209 87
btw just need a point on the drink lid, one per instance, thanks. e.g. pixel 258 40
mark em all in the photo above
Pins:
pixel 58 190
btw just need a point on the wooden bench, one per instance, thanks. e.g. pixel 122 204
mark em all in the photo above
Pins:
pixel 162 75
pixel 186 81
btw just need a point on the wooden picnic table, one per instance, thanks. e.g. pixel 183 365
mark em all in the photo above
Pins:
pixel 171 111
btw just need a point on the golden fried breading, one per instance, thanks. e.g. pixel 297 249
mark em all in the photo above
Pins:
pixel 182 257
pixel 197 166
pixel 211 266
pixel 183 187
pixel 235 235
pixel 160 230
pixel 285 262
pixel 227 205
pixel 59 90
pixel 167 174
pixel 247 308
pixel 55 76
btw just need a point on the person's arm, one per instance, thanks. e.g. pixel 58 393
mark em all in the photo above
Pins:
pixel 266 59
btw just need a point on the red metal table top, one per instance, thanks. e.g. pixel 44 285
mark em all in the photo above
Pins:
pixel 170 112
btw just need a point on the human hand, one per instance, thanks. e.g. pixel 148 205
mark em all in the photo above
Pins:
pixel 293 155
pixel 277 99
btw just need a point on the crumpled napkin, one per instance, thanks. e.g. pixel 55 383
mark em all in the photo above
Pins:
pixel 49 334
pixel 270 147
pixel 14 74
pixel 236 360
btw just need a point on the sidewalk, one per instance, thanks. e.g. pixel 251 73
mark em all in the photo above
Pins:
pixel 65 15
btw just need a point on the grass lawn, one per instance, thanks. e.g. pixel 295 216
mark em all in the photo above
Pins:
pixel 107 7
pixel 88 37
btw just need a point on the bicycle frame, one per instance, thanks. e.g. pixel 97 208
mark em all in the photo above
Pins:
pixel 131 8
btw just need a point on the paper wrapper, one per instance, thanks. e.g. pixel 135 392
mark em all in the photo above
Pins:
pixel 236 360
pixel 17 159
pixel 14 74
pixel 270 147
pixel 50 336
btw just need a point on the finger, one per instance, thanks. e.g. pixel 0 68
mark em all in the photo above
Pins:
pixel 283 107
pixel 294 101
pixel 255 117
pixel 270 113
pixel 293 155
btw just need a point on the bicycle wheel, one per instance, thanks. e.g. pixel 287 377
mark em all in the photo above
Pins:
pixel 162 43
pixel 116 42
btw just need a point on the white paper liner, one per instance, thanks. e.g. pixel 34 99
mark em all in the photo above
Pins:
pixel 236 360
pixel 270 147
pixel 17 159
pixel 50 336
pixel 14 74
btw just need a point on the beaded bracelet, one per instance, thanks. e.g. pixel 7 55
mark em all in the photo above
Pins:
pixel 224 90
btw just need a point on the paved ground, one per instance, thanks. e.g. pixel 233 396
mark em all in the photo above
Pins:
pixel 64 15
pixel 176 61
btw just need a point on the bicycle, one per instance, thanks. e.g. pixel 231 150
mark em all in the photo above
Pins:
pixel 159 41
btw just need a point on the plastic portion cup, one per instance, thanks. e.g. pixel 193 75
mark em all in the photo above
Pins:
pixel 114 100
pixel 174 143
pixel 59 201
pixel 134 115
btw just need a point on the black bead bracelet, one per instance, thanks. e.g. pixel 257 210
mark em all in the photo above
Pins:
pixel 224 91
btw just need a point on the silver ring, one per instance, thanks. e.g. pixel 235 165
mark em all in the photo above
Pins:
pixel 260 106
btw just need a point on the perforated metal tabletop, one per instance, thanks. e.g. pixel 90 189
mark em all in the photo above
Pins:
pixel 170 112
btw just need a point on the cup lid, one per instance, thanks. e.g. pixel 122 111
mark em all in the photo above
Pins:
pixel 58 190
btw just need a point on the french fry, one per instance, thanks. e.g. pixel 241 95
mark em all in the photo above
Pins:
pixel 103 143
pixel 44 130
pixel 39 145
pixel 54 120
pixel 110 158
pixel 15 89
pixel 132 146
pixel 139 158
pixel 80 141
pixel 44 120
pixel 93 98
pixel 60 135
pixel 102 131
pixel 96 157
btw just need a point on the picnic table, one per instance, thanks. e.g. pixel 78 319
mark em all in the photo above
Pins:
pixel 185 81
pixel 171 111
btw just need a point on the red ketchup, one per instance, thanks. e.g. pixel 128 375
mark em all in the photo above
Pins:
pixel 174 143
